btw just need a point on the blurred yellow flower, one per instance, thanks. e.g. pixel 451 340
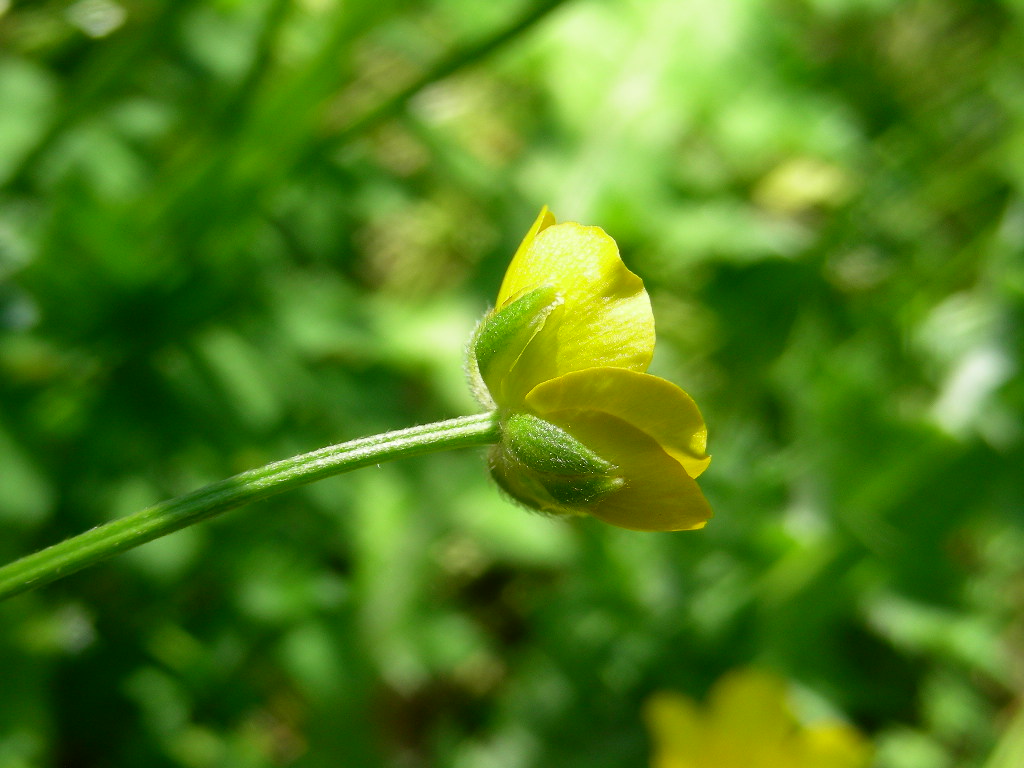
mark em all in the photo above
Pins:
pixel 747 723
pixel 563 356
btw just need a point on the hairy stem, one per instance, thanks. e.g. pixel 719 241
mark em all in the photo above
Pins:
pixel 168 516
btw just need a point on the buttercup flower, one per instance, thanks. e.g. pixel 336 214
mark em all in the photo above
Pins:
pixel 747 723
pixel 563 356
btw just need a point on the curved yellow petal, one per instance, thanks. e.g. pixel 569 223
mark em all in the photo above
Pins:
pixel 605 318
pixel 653 405
pixel 513 285
pixel 657 495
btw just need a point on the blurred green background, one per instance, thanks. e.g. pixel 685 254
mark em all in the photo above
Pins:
pixel 232 231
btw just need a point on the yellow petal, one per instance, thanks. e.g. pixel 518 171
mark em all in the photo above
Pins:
pixel 508 290
pixel 655 406
pixel 752 702
pixel 835 745
pixel 605 318
pixel 658 495
pixel 676 727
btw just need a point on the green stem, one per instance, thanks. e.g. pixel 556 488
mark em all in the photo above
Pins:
pixel 168 516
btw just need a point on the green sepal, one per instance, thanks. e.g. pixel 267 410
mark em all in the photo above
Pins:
pixel 503 334
pixel 579 491
pixel 543 467
pixel 543 447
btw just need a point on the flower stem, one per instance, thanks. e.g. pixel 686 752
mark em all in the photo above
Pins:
pixel 166 517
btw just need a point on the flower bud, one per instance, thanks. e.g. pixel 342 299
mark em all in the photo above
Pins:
pixel 543 467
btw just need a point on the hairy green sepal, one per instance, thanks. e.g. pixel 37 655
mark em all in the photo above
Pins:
pixel 501 337
pixel 543 467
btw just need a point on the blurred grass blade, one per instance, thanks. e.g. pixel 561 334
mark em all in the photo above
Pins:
pixel 455 61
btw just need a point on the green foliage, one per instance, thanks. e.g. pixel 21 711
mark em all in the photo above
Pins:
pixel 234 231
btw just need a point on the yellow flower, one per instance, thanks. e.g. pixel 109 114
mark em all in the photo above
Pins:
pixel 747 723
pixel 563 356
